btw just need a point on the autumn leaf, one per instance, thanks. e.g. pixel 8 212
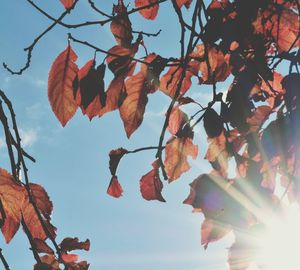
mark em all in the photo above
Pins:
pixel 69 244
pixel 67 3
pixel 186 3
pixel 151 185
pixel 212 231
pixel 60 85
pixel 133 107
pixel 42 247
pixel 114 159
pixel 217 153
pixel 177 119
pixel 44 206
pixel 218 69
pixel 177 152
pixel 169 81
pixel 149 13
pixel 69 258
pixel 260 115
pixel 121 26
pixel 48 262
pixel 213 123
pixel 11 196
pixel 114 188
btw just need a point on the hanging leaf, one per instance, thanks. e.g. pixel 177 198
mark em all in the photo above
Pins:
pixel 149 13
pixel 121 26
pixel 60 85
pixel 12 196
pixel 151 185
pixel 213 123
pixel 114 159
pixel 114 188
pixel 186 3
pixel 176 121
pixel 133 107
pixel 67 3
pixel 177 152
pixel 69 244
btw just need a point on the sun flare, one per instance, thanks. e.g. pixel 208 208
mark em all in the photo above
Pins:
pixel 279 243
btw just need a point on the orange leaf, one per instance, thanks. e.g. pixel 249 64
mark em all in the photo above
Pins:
pixel 177 151
pixel 60 91
pixel 149 13
pixel 12 196
pixel 186 3
pixel 259 116
pixel 44 205
pixel 69 244
pixel 47 262
pixel 67 3
pixel 212 231
pixel 219 66
pixel 114 188
pixel 177 119
pixel 69 258
pixel 121 25
pixel 133 108
pixel 151 185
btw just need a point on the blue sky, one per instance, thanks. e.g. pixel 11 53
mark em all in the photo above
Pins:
pixel 72 162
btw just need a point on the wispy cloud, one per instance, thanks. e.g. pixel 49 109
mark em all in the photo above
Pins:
pixel 28 137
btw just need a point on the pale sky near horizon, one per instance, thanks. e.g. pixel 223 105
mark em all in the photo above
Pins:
pixel 72 162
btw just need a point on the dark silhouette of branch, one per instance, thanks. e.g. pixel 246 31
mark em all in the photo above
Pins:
pixel 30 48
pixel 3 260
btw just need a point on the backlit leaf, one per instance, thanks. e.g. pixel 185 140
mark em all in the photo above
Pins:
pixel 114 188
pixel 67 3
pixel 60 85
pixel 148 13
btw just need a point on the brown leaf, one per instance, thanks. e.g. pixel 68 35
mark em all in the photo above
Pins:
pixel 177 119
pixel 44 205
pixel 114 159
pixel 169 81
pixel 177 151
pixel 42 247
pixel 213 124
pixel 212 231
pixel 69 244
pixel 217 153
pixel 69 258
pixel 133 107
pixel 67 3
pixel 151 185
pixel 48 262
pixel 149 13
pixel 260 115
pixel 121 25
pixel 186 3
pixel 114 188
pixel 219 66
pixel 12 196
pixel 60 91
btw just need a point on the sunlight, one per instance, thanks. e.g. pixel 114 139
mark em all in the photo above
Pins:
pixel 279 244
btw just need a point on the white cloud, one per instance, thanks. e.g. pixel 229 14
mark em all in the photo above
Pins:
pixel 28 137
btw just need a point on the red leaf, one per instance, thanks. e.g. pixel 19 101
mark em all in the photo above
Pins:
pixel 186 3
pixel 151 185
pixel 67 3
pixel 69 258
pixel 48 262
pixel 121 25
pixel 114 159
pixel 12 196
pixel 42 247
pixel 114 189
pixel 219 66
pixel 69 244
pixel 177 151
pixel 133 108
pixel 211 231
pixel 177 119
pixel 149 13
pixel 60 90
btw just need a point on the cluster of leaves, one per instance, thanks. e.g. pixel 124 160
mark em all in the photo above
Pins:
pixel 253 124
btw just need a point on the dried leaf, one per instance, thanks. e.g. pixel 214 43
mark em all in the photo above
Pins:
pixel 114 159
pixel 133 107
pixel 60 85
pixel 42 247
pixel 149 13
pixel 176 121
pixel 151 185
pixel 69 244
pixel 114 188
pixel 177 151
